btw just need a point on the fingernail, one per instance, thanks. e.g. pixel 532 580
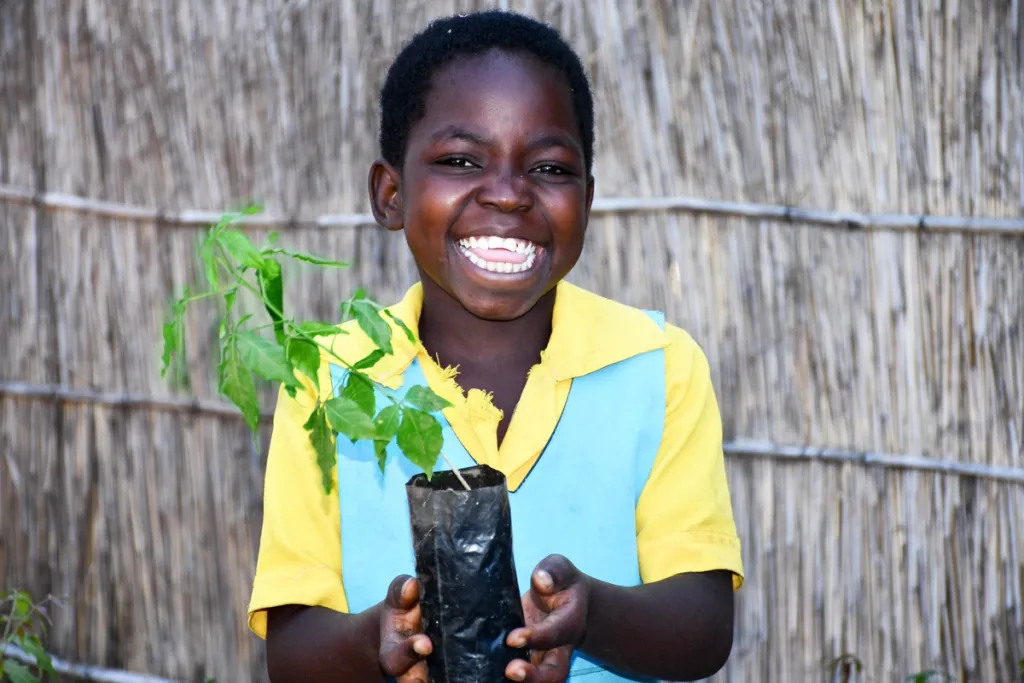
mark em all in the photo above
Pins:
pixel 517 675
pixel 544 580
pixel 421 648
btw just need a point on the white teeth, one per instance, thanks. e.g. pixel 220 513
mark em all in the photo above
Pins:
pixel 498 266
pixel 507 243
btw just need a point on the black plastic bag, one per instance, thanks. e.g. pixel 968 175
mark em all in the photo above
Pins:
pixel 469 594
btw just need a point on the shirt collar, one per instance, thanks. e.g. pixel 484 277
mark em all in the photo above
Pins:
pixel 588 332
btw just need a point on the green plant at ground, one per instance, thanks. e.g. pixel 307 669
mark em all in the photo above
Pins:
pixel 22 622
pixel 281 348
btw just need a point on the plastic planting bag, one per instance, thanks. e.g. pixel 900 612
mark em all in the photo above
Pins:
pixel 469 595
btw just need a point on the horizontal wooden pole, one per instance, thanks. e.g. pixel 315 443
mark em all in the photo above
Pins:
pixel 84 671
pixel 765 449
pixel 606 206
pixel 737 448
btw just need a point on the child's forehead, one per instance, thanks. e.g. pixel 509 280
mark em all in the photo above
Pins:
pixel 469 77
pixel 498 62
pixel 487 101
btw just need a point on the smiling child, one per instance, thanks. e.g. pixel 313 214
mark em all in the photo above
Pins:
pixel 601 416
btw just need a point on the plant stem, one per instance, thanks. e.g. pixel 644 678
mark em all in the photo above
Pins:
pixel 456 472
pixel 204 295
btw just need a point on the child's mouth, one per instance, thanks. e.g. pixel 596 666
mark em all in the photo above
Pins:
pixel 499 254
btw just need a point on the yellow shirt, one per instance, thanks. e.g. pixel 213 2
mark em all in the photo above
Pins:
pixel 683 517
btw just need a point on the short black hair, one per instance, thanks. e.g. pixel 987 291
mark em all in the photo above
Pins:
pixel 403 97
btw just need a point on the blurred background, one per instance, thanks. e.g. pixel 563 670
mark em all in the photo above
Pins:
pixel 828 194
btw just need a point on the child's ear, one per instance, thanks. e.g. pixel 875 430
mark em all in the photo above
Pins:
pixel 385 186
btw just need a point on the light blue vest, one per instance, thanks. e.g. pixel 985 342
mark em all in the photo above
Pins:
pixel 578 501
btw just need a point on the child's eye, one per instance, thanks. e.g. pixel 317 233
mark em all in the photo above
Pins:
pixel 456 162
pixel 551 169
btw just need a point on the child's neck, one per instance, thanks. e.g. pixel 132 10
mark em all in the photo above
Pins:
pixel 456 337
pixel 495 357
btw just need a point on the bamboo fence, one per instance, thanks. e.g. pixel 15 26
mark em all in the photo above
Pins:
pixel 828 195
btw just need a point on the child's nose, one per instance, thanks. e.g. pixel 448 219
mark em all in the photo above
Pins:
pixel 507 190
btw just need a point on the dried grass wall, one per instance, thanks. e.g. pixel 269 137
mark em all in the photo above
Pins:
pixel 147 518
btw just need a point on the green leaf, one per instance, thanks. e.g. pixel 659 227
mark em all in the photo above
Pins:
pixel 319 329
pixel 237 385
pixel 420 439
pixel 229 304
pixel 322 438
pixel 405 328
pixel 380 449
pixel 174 339
pixel 18 673
pixel 22 605
pixel 425 399
pixel 369 360
pixel 272 288
pixel 34 647
pixel 304 355
pixel 307 258
pixel 208 255
pixel 238 246
pixel 373 324
pixel 265 358
pixel 229 299
pixel 346 306
pixel 387 422
pixel 360 391
pixel 348 418
pixel 174 342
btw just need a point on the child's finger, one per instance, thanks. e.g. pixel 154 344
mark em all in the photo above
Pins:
pixel 518 638
pixel 555 631
pixel 553 668
pixel 417 674
pixel 398 656
pixel 403 593
pixel 553 574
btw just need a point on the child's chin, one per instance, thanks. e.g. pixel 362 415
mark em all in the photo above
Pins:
pixel 498 307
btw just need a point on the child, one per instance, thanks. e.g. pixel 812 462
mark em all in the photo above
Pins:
pixel 600 415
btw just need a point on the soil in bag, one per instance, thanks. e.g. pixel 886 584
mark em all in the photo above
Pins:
pixel 469 592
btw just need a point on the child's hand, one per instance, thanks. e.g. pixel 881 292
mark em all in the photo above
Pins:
pixel 403 645
pixel 555 608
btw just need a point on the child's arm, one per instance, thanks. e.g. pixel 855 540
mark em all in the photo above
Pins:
pixel 678 625
pixel 298 600
pixel 313 644
pixel 678 629
pixel 316 644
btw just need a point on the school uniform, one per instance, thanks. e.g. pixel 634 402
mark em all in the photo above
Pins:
pixel 613 458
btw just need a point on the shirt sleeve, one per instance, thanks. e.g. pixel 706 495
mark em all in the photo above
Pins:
pixel 299 560
pixel 684 514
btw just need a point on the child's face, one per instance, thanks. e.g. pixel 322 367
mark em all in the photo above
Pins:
pixel 494 194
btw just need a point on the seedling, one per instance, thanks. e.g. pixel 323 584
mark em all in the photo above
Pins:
pixel 444 520
pixel 283 349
